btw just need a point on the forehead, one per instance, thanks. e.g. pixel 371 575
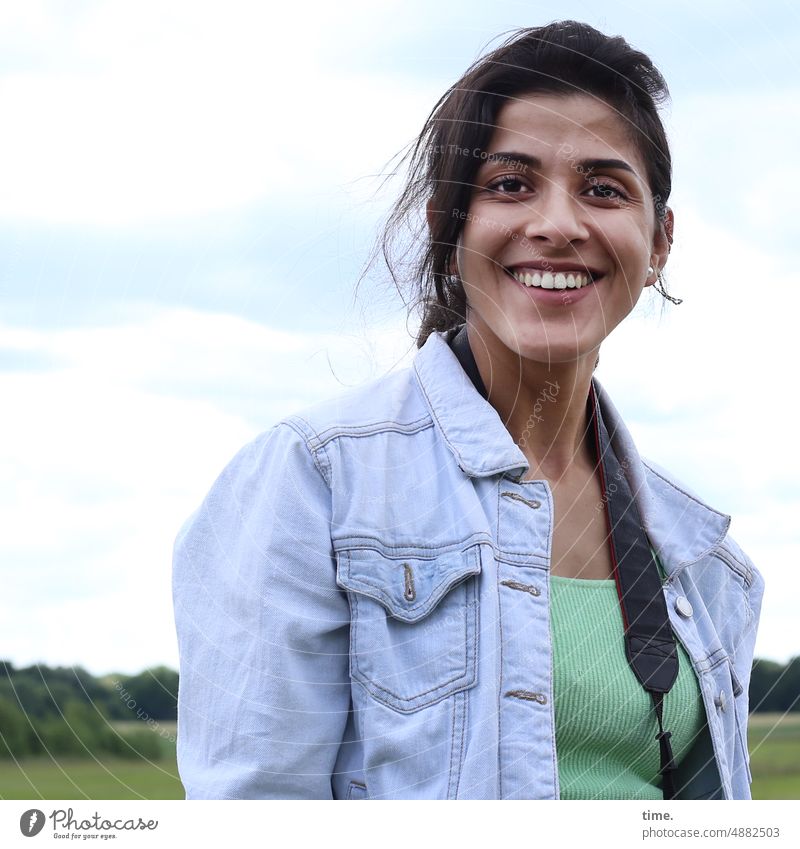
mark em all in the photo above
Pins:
pixel 544 122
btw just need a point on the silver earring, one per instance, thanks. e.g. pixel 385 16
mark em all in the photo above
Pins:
pixel 650 270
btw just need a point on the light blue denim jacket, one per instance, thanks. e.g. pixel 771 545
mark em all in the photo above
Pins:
pixel 366 587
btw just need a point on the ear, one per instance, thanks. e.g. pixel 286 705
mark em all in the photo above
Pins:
pixel 662 241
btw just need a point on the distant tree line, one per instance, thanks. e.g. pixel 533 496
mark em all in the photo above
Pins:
pixel 66 711
pixel 774 686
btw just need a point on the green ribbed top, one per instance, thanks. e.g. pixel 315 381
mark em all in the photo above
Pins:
pixel 605 721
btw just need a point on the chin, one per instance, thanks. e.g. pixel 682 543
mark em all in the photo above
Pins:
pixel 555 354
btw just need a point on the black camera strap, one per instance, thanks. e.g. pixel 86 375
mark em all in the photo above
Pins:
pixel 649 641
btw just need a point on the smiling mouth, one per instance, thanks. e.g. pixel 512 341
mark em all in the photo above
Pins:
pixel 553 280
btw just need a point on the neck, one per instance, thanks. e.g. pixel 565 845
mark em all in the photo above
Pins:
pixel 542 404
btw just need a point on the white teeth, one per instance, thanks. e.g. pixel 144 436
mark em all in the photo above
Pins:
pixel 548 280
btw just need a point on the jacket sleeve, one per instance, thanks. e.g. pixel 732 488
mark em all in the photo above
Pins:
pixel 744 650
pixel 263 630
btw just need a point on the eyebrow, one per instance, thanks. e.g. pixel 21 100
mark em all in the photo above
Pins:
pixel 524 159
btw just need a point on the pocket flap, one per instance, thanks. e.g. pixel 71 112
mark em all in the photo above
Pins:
pixel 408 587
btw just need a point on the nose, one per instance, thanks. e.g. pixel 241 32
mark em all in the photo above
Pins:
pixel 556 218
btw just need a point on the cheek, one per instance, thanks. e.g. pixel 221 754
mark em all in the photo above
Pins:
pixel 629 246
pixel 484 231
pixel 468 250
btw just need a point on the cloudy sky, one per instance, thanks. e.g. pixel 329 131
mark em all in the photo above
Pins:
pixel 188 194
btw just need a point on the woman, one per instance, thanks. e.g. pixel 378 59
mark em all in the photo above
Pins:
pixel 462 581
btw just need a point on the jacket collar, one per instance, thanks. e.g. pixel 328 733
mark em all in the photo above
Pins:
pixel 682 529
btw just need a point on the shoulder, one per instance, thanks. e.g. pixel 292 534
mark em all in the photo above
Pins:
pixel 721 583
pixel 297 443
pixel 390 402
pixel 726 573
pixel 656 469
pixel 727 553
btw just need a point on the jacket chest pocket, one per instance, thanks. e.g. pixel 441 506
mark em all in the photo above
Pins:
pixel 414 623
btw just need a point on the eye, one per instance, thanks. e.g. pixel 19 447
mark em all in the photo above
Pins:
pixel 607 191
pixel 508 184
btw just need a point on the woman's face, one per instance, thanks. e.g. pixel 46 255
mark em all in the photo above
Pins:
pixel 560 200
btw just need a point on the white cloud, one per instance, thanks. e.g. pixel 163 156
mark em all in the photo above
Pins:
pixel 103 461
pixel 734 159
pixel 171 109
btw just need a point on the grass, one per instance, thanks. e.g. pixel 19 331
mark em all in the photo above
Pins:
pixel 102 778
pixel 43 778
pixel 774 743
pixel 773 739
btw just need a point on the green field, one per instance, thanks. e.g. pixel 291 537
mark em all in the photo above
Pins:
pixel 100 778
pixel 40 778
pixel 774 745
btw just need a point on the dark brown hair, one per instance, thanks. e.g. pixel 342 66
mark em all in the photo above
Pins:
pixel 566 57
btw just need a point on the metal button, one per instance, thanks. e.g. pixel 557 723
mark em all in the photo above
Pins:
pixel 683 606
pixel 528 696
pixel 720 700
pixel 409 593
pixel 526 588
pixel 533 503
